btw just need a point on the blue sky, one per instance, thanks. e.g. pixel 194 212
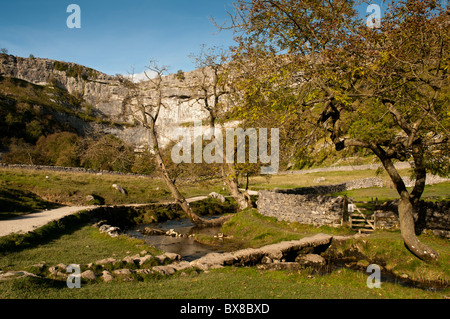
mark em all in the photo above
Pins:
pixel 115 35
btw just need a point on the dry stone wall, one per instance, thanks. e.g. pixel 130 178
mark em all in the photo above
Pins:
pixel 431 216
pixel 317 210
pixel 311 205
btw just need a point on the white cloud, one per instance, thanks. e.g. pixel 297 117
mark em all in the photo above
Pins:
pixel 140 77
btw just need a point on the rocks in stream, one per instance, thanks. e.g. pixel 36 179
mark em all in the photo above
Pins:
pixel 147 231
pixel 288 255
pixel 103 227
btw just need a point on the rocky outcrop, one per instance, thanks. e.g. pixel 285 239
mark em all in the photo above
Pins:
pixel 283 251
pixel 105 96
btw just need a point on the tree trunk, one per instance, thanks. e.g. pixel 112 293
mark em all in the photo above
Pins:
pixel 242 198
pixel 179 198
pixel 405 212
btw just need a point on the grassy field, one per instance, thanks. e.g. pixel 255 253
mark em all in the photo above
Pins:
pixel 226 283
pixel 436 192
pixel 305 180
pixel 82 244
pixel 25 191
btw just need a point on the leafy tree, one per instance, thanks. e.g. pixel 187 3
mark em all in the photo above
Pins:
pixel 213 92
pixel 59 149
pixel 20 152
pixel 180 75
pixel 385 90
pixel 106 152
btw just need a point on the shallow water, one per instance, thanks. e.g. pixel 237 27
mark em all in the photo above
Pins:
pixel 185 246
pixel 190 250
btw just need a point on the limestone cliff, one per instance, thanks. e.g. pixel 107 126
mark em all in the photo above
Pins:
pixel 104 96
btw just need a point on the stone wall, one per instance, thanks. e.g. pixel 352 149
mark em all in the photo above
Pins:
pixel 67 169
pixel 317 210
pixel 310 205
pixel 431 216
pixel 336 188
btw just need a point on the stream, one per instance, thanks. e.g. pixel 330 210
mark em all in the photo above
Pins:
pixel 184 246
pixel 190 250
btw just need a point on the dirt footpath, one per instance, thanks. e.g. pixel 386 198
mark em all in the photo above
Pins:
pixel 26 223
pixel 30 222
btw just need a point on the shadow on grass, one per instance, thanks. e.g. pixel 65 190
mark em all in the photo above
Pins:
pixel 27 287
pixel 16 202
pixel 44 234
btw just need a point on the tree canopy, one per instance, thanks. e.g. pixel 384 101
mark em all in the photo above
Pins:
pixel 317 66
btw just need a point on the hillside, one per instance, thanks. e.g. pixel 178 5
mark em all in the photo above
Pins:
pixel 40 97
pixel 81 98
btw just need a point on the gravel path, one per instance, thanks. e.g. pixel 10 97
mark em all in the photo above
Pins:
pixel 26 223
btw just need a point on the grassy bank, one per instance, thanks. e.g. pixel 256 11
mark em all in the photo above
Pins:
pixel 77 242
pixel 436 192
pixel 25 191
pixel 249 229
pixel 226 283
pixel 84 244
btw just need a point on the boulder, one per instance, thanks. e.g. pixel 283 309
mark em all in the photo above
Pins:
pixel 122 272
pixel 128 260
pixel 172 256
pixel 89 275
pixel 93 199
pixel 218 196
pixel 310 260
pixel 144 259
pixel 106 276
pixel 164 270
pixel 144 271
pixel 120 189
pixel 110 230
pixel 182 265
pixel 152 231
pixel 103 262
pixel 161 259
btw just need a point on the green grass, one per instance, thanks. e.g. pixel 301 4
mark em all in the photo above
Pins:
pixel 436 192
pixel 78 246
pixel 226 283
pixel 306 180
pixel 16 202
pixel 81 244
pixel 72 188
pixel 84 244
pixel 248 228
pixel 387 249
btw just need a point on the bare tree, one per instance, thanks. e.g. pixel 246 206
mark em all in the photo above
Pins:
pixel 145 106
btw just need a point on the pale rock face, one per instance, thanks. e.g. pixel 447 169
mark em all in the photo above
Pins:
pixel 107 97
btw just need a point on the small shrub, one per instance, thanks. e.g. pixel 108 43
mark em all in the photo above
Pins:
pixel 180 75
